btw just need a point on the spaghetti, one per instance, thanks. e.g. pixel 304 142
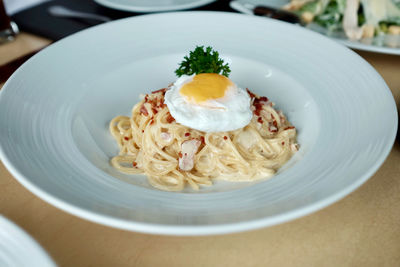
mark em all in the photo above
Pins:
pixel 172 155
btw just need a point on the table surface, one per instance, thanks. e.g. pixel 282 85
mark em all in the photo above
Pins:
pixel 363 229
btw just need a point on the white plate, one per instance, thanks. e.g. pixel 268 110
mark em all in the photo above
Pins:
pixel 379 44
pixel 55 111
pixel 17 248
pixel 153 5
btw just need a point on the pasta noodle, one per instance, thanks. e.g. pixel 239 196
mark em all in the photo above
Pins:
pixel 172 155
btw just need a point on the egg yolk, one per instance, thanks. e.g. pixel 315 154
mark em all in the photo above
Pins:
pixel 206 86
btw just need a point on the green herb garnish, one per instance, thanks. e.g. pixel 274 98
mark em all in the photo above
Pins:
pixel 202 61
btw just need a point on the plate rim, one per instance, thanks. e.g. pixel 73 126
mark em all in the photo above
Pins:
pixel 176 229
pixel 37 249
pixel 191 230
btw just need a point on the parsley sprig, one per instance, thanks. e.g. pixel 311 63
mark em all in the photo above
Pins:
pixel 202 61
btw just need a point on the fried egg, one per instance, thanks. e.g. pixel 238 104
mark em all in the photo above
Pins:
pixel 208 102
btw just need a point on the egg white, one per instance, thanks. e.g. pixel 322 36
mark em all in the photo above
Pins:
pixel 228 113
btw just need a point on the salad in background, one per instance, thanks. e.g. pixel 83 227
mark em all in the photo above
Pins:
pixel 357 18
pixel 369 25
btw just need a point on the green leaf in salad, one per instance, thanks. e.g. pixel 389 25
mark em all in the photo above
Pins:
pixel 383 26
pixel 341 4
pixel 332 16
pixel 392 21
pixel 309 7
pixel 361 19
pixel 202 60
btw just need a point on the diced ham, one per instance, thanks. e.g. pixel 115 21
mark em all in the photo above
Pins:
pixel 166 136
pixel 188 150
pixel 246 139
pixel 272 129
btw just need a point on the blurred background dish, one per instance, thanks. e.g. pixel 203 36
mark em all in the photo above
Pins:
pixel 17 248
pixel 36 18
pixel 249 3
pixel 153 5
pixel 381 32
pixel 8 28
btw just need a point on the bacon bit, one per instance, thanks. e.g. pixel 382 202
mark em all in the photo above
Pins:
pixel 134 164
pixel 146 98
pixel 260 120
pixel 151 121
pixel 251 94
pixel 153 102
pixel 154 110
pixel 126 138
pixel 288 128
pixel 142 131
pixel 275 124
pixel 144 111
pixel 170 118
pixel 257 111
pixel 187 134
pixel 202 140
pixel 189 149
pixel 180 154
pixel 162 90
pixel 258 103
pixel 162 105
pixel 283 143
pixel 225 137
pixel 263 99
